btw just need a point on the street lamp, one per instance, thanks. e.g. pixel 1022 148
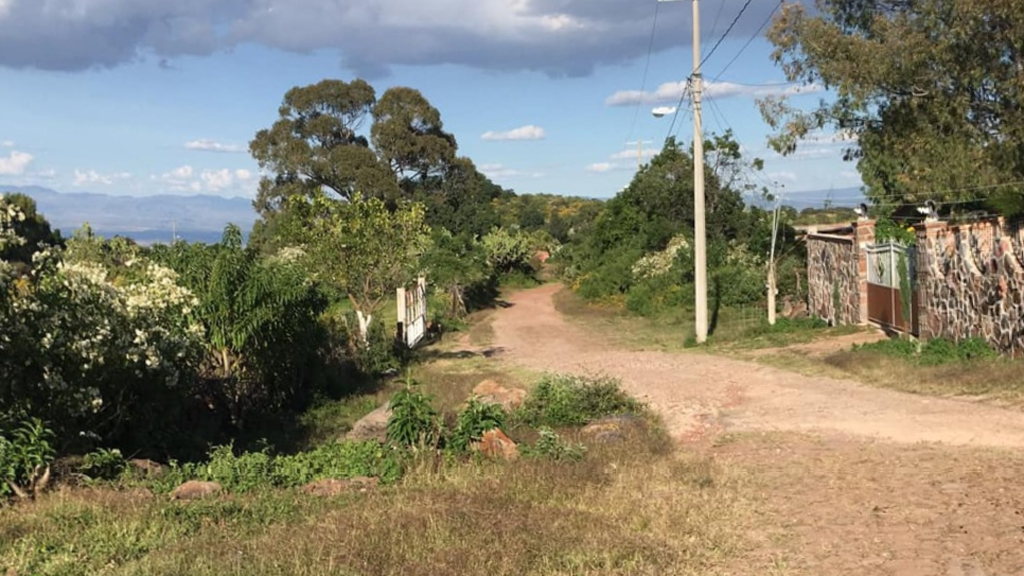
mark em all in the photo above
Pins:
pixel 662 111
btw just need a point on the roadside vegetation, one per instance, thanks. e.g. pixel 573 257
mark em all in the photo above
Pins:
pixel 567 504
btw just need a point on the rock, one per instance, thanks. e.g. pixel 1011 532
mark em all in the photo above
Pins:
pixel 146 467
pixel 332 487
pixel 490 392
pixel 194 489
pixel 613 428
pixel 495 444
pixel 373 426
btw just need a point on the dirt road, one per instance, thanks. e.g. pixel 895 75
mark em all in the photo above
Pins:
pixel 843 478
pixel 699 393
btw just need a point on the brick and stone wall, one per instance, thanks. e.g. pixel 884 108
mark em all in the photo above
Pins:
pixel 833 274
pixel 971 283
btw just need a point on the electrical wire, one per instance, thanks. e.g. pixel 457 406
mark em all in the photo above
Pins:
pixel 647 66
pixel 749 42
pixel 726 33
pixel 679 106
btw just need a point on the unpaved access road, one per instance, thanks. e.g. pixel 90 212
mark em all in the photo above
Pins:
pixel 699 394
pixel 840 478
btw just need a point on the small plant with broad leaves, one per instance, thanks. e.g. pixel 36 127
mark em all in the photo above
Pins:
pixel 550 445
pixel 104 464
pixel 565 400
pixel 25 457
pixel 414 421
pixel 475 419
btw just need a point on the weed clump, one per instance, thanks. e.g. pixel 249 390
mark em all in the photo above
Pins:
pixel 566 400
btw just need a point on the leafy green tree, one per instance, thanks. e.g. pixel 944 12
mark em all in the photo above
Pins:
pixel 316 145
pixel 463 200
pixel 455 264
pixel 337 139
pixel 409 137
pixel 928 92
pixel 508 250
pixel 260 319
pixel 32 228
pixel 364 249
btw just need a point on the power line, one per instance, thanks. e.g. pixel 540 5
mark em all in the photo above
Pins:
pixel 679 106
pixel 647 66
pixel 726 33
pixel 718 15
pixel 749 42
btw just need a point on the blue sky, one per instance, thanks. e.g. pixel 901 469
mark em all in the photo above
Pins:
pixel 141 97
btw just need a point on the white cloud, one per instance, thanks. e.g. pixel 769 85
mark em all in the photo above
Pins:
pixel 784 175
pixel 83 177
pixel 557 37
pixel 15 163
pixel 631 154
pixel 181 172
pixel 48 174
pixel 496 170
pixel 205 145
pixel 672 92
pixel 528 132
pixel 188 179
pixel 601 167
pixel 7 143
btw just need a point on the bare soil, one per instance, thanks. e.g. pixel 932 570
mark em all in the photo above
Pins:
pixel 853 479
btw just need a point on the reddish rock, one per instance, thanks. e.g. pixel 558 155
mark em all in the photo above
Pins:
pixel 495 444
pixel 373 426
pixel 333 487
pixel 490 392
pixel 194 489
pixel 612 428
pixel 146 467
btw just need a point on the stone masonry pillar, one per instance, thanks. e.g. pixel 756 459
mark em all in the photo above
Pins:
pixel 927 233
pixel 864 236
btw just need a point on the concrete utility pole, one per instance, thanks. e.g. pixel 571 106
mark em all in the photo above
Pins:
pixel 700 253
pixel 700 258
pixel 639 152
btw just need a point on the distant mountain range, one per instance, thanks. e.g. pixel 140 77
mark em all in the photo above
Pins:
pixel 202 218
pixel 147 219
pixel 838 197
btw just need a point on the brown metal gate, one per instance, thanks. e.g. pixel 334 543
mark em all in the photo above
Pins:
pixel 888 264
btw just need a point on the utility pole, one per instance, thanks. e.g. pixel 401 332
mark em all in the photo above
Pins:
pixel 639 152
pixel 771 266
pixel 699 230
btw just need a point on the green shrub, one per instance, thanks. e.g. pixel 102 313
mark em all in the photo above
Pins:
pixel 104 464
pixel 252 471
pixel 897 347
pixel 551 445
pixel 934 352
pixel 413 421
pixel 339 460
pixel 566 400
pixel 24 454
pixel 475 419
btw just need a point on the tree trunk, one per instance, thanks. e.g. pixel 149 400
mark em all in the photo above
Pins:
pixel 364 326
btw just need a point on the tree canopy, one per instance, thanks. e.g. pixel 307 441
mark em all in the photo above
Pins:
pixel 929 92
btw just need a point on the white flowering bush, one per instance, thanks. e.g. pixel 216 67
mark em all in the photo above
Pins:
pixel 91 351
pixel 659 263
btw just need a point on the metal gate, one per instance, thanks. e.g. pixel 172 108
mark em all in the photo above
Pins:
pixel 412 313
pixel 892 269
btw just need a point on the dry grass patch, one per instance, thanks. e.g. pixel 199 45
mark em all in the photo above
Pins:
pixel 638 507
pixel 646 513
pixel 1000 380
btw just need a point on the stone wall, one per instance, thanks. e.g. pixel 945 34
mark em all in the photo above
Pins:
pixel 971 283
pixel 833 274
